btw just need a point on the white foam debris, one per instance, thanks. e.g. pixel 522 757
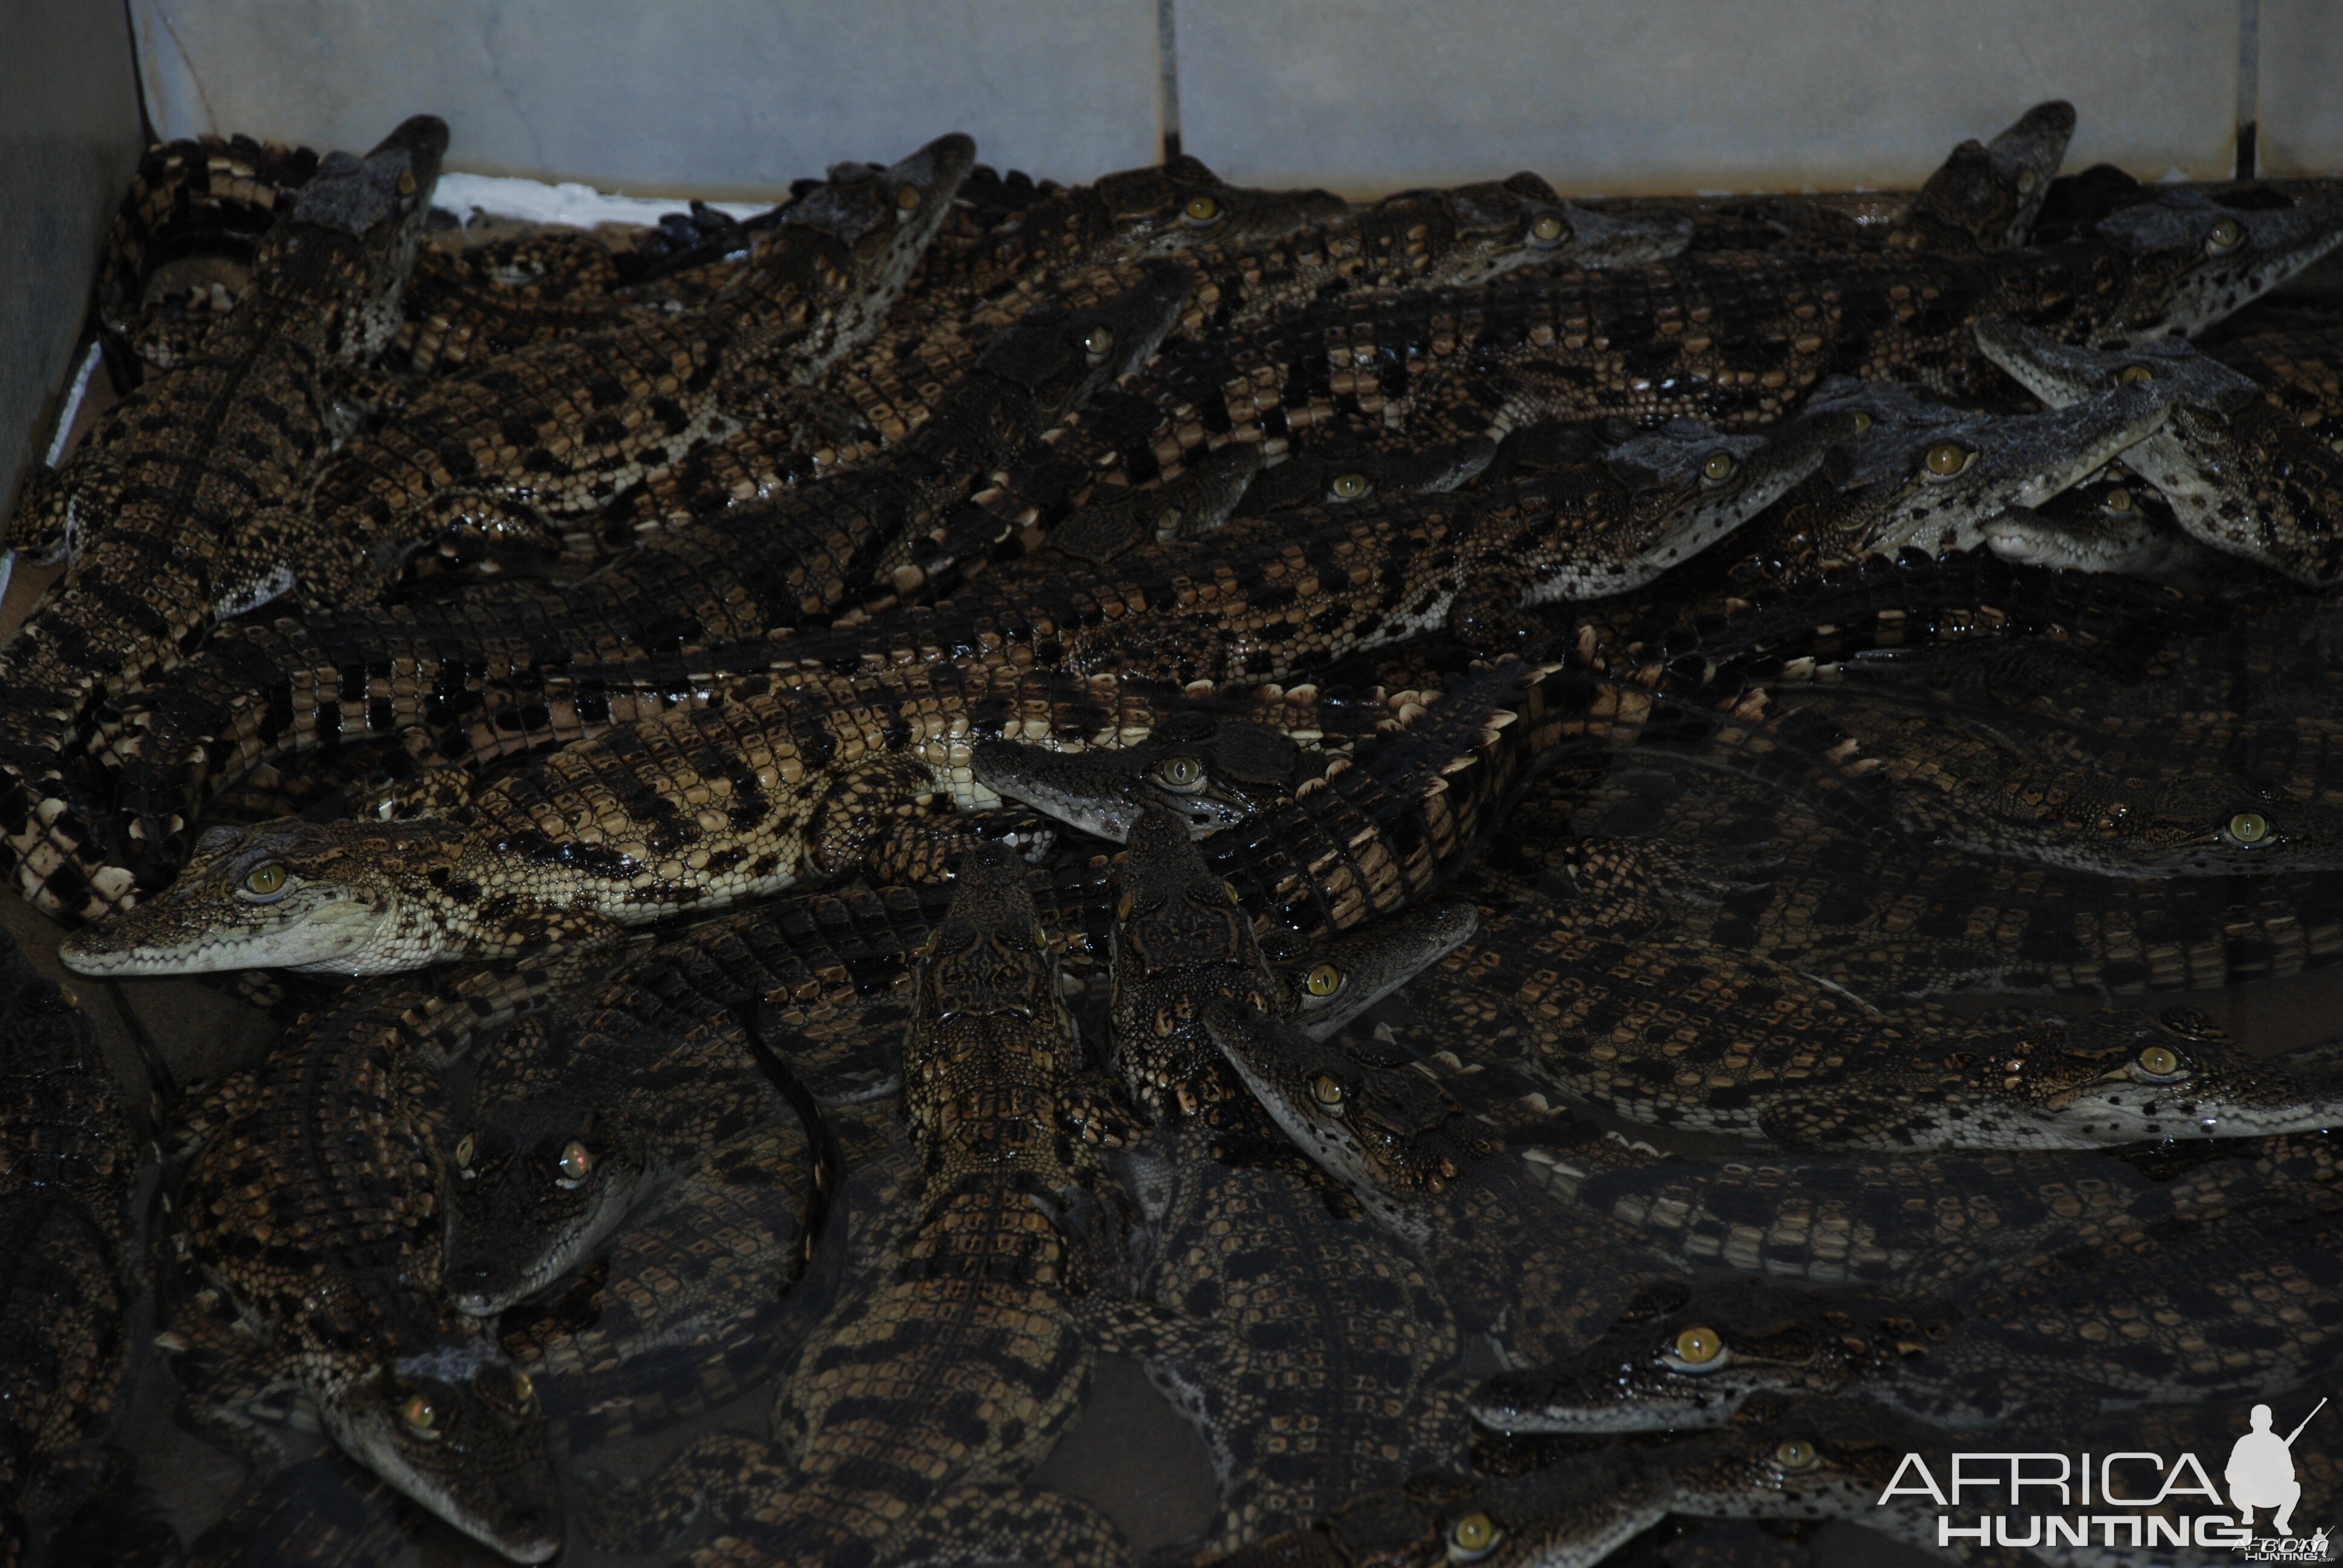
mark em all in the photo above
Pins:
pixel 570 203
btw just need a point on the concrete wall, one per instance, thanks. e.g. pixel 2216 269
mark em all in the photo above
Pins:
pixel 69 137
pixel 713 98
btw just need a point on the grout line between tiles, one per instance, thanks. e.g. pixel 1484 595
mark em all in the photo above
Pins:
pixel 1167 52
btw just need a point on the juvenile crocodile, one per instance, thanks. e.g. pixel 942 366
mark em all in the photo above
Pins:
pixel 561 426
pixel 262 690
pixel 1268 599
pixel 204 199
pixel 311 1203
pixel 1734 339
pixel 2250 469
pixel 1684 1034
pixel 680 813
pixel 149 506
pixel 2174 1313
pixel 70 1222
pixel 952 1362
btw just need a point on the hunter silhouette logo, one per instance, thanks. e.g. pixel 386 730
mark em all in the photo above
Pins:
pixel 2124 1499
pixel 2261 1471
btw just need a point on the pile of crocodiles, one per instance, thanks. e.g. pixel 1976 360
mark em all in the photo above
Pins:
pixel 1572 862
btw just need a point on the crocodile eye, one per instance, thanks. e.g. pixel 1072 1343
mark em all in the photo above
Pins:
pixel 576 1162
pixel 1098 342
pixel 422 1417
pixel 2227 236
pixel 1796 1454
pixel 1324 979
pixel 1230 890
pixel 2249 827
pixel 1123 910
pixel 1718 468
pixel 1201 209
pixel 466 1147
pixel 2133 373
pixel 907 198
pixel 524 1389
pixel 1347 487
pixel 2027 179
pixel 1326 1091
pixel 1862 421
pixel 1546 230
pixel 1473 1537
pixel 265 881
pixel 1699 1347
pixel 1949 458
pixel 406 182
pixel 1182 773
pixel 2159 1062
pixel 2118 499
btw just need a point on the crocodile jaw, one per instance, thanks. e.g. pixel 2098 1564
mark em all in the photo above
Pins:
pixel 332 934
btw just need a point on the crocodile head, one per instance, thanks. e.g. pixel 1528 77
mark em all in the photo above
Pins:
pixel 1660 497
pixel 1496 226
pixel 1695 1364
pixel 1181 942
pixel 1985 195
pixel 2115 1078
pixel 1062 358
pixel 455 1425
pixel 1346 973
pixel 371 211
pixel 317 897
pixel 1341 480
pixel 2241 473
pixel 1930 475
pixel 1117 521
pixel 2191 262
pixel 1183 207
pixel 886 215
pixel 1804 1459
pixel 2108 524
pixel 537 1185
pixel 2211 825
pixel 1212 773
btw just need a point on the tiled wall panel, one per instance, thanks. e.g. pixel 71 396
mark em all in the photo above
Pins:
pixel 697 97
pixel 1680 96
pixel 2301 99
pixel 68 141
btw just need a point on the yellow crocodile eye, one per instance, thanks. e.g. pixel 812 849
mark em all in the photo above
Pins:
pixel 265 879
pixel 406 182
pixel 1473 1537
pixel 1098 342
pixel 1325 979
pixel 1326 1091
pixel 2133 373
pixel 1347 487
pixel 1794 1454
pixel 2249 827
pixel 1862 421
pixel 908 197
pixel 575 1162
pixel 2227 236
pixel 1718 468
pixel 1546 230
pixel 1123 910
pixel 1230 890
pixel 1201 209
pixel 421 1416
pixel 524 1389
pixel 2118 499
pixel 2027 179
pixel 1947 457
pixel 2159 1059
pixel 1180 772
pixel 465 1148
pixel 1699 1347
